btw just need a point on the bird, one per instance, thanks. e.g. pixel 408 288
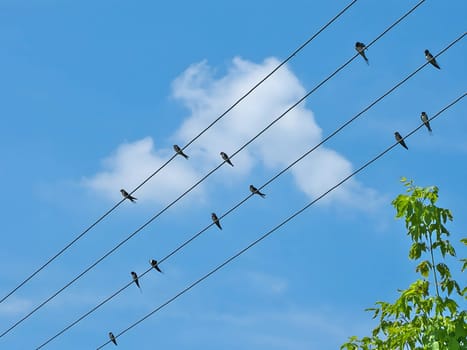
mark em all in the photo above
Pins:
pixel 135 279
pixel 400 140
pixel 112 338
pixel 154 264
pixel 226 158
pixel 254 190
pixel 127 195
pixel 431 59
pixel 360 47
pixel 178 150
pixel 425 121
pixel 215 219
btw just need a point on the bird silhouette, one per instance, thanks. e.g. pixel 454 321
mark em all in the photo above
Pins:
pixel 135 279
pixel 360 47
pixel 179 151
pixel 254 190
pixel 126 195
pixel 400 140
pixel 154 265
pixel 112 338
pixel 226 158
pixel 215 219
pixel 425 121
pixel 431 59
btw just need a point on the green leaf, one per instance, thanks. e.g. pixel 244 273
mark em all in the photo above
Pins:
pixel 424 268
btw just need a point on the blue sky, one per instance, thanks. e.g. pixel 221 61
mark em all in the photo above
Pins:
pixel 96 93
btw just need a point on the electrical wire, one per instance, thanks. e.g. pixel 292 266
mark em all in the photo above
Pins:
pixel 249 196
pixel 78 237
pixel 374 159
pixel 205 177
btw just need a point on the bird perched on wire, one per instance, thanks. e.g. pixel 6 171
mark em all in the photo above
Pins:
pixel 154 265
pixel 425 121
pixel 400 140
pixel 112 338
pixel 135 279
pixel 179 151
pixel 215 219
pixel 126 195
pixel 429 57
pixel 254 190
pixel 360 47
pixel 226 158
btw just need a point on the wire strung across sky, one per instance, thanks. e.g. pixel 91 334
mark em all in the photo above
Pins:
pixel 78 237
pixel 284 222
pixel 207 175
pixel 249 196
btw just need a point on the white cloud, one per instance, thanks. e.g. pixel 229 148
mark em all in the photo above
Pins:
pixel 288 139
pixel 207 96
pixel 132 163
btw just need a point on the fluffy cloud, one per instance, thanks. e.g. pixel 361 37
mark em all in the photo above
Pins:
pixel 132 163
pixel 207 96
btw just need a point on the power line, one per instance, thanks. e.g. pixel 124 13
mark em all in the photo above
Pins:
pixel 279 225
pixel 66 247
pixel 206 176
pixel 245 199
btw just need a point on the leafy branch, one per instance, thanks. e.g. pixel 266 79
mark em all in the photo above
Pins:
pixel 417 319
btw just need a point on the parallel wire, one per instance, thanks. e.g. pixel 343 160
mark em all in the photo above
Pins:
pixel 279 225
pixel 249 196
pixel 207 175
pixel 66 247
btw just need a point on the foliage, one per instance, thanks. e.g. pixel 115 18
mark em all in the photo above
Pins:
pixel 425 316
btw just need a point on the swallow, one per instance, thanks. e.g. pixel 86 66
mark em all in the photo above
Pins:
pixel 425 121
pixel 215 219
pixel 254 190
pixel 127 195
pixel 135 278
pixel 400 140
pixel 360 47
pixel 112 338
pixel 226 158
pixel 178 150
pixel 154 264
pixel 429 57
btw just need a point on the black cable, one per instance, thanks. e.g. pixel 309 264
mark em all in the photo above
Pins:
pixel 205 177
pixel 244 200
pixel 279 225
pixel 173 156
pixel 240 203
